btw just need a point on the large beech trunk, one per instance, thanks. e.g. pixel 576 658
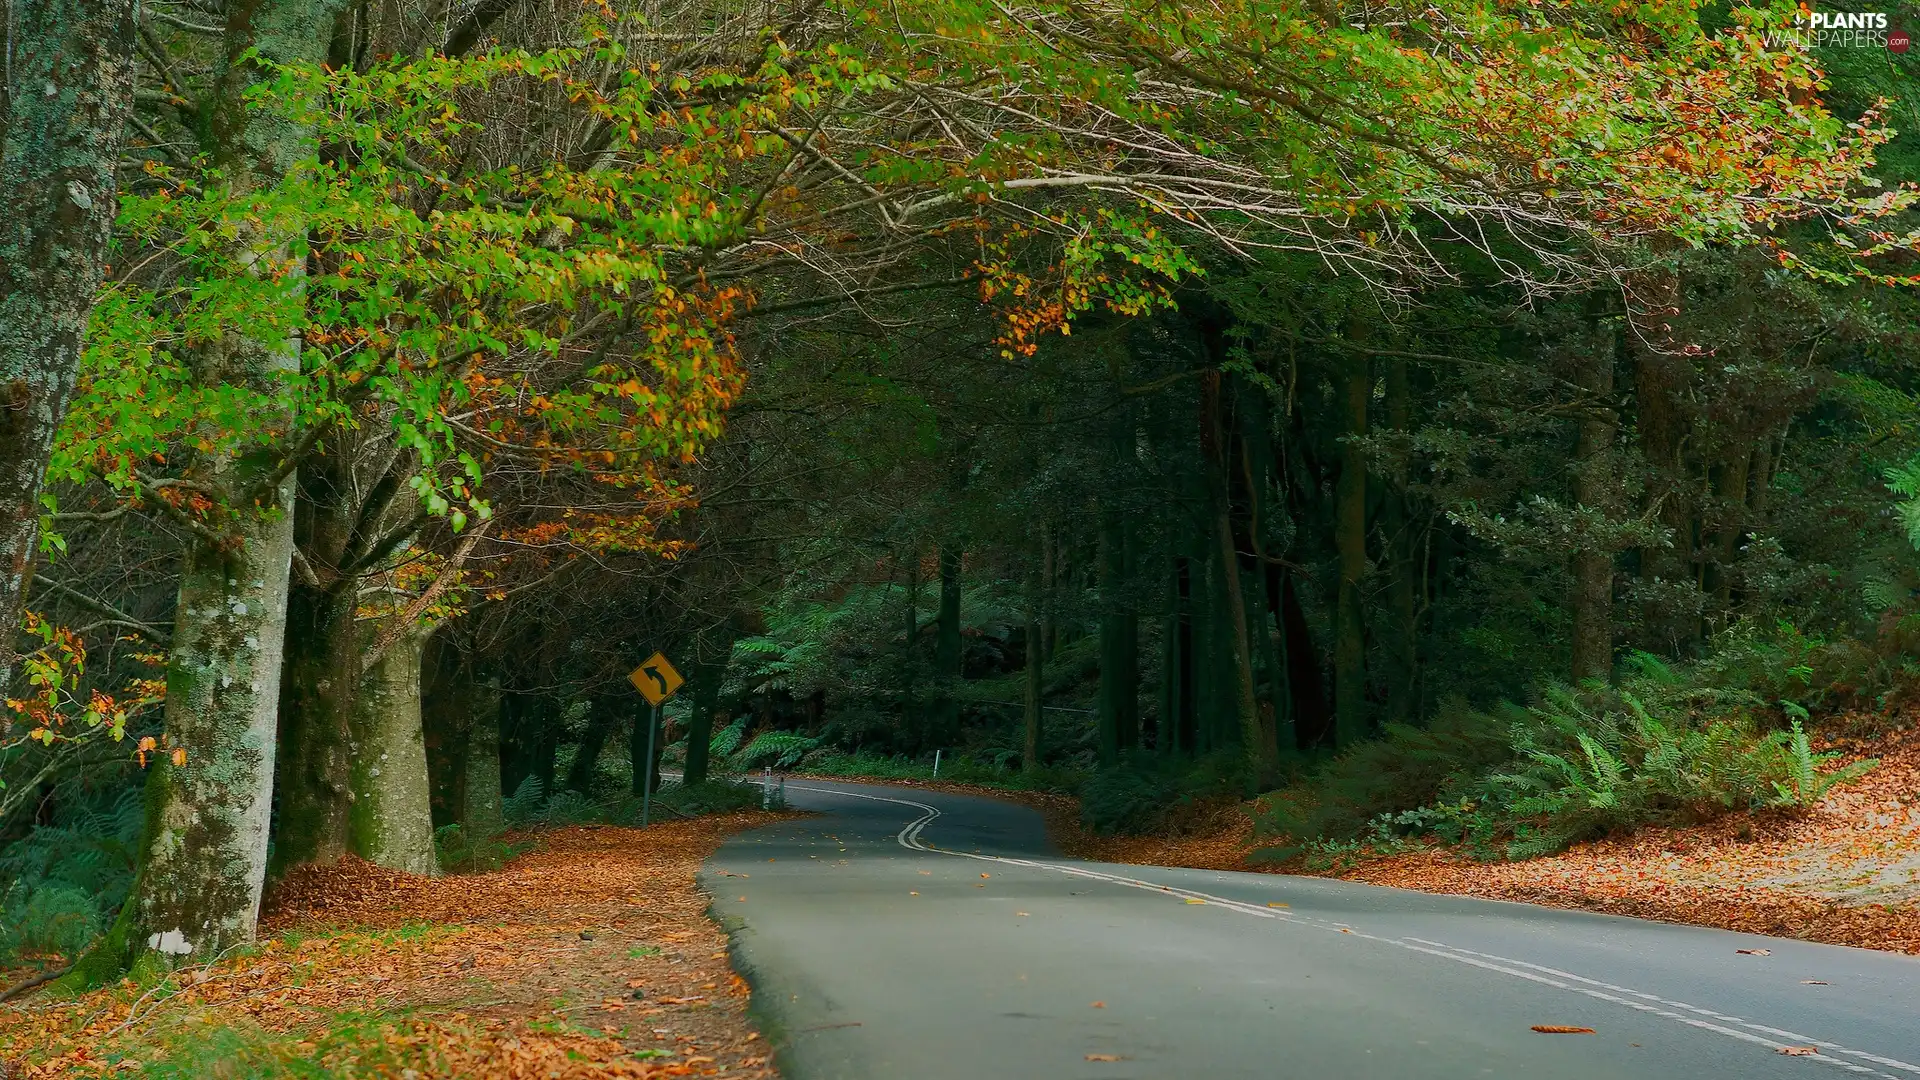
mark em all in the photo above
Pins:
pixel 58 150
pixel 392 805
pixel 204 856
pixel 205 850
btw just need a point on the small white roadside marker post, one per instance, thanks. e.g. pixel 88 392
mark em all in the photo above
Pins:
pixel 936 764
pixel 766 789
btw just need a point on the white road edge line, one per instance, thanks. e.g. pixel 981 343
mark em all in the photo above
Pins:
pixel 909 838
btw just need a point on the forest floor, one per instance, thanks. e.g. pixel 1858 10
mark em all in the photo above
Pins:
pixel 1846 872
pixel 589 957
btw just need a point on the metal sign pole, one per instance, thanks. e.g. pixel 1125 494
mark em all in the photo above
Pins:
pixel 646 784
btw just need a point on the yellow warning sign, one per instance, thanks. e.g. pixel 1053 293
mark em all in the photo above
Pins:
pixel 656 679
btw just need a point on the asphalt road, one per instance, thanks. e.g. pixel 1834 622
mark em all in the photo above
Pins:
pixel 911 935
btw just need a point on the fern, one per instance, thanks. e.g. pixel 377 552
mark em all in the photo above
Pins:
pixel 1805 785
pixel 778 749
pixel 727 740
pixel 527 803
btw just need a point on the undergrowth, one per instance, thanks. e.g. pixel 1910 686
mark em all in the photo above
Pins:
pixel 1520 781
pixel 65 880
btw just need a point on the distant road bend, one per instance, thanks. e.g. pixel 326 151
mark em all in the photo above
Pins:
pixel 913 935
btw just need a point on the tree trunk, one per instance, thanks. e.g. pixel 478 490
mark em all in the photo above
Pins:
pixel 69 90
pixel 1402 633
pixel 313 778
pixel 1119 715
pixel 1593 485
pixel 204 856
pixel 1230 595
pixel 480 813
pixel 1350 537
pixel 946 650
pixel 1036 674
pixel 1312 720
pixel 706 698
pixel 392 811
pixel 601 721
pixel 205 850
pixel 1176 658
pixel 1276 710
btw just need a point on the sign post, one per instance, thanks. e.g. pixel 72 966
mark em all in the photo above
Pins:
pixel 657 681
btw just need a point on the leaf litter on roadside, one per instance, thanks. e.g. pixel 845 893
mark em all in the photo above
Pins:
pixel 530 972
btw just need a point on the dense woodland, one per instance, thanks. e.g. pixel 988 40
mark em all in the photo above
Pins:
pixel 1485 421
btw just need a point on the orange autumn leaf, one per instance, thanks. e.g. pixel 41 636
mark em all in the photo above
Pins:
pixel 1562 1029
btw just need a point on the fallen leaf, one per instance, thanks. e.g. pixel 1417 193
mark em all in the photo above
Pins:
pixel 1105 1057
pixel 1346 930
pixel 986 875
pixel 1195 900
pixel 1798 1051
pixel 743 899
pixel 1754 952
pixel 1275 903
pixel 1019 913
pixel 1099 1004
pixel 1813 982
pixel 913 893
pixel 1561 1029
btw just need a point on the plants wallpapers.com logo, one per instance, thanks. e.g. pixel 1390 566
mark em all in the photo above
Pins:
pixel 1813 29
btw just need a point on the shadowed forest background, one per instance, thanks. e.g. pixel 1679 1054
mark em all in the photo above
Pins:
pixel 1468 425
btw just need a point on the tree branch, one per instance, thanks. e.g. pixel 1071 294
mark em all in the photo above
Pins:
pixel 101 607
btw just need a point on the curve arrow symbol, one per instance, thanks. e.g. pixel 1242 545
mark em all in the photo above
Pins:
pixel 654 673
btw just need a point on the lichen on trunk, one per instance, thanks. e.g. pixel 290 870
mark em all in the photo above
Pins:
pixel 70 74
pixel 206 842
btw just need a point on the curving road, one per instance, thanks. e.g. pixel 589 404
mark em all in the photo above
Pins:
pixel 912 935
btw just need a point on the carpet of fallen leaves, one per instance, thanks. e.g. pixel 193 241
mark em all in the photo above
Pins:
pixel 1846 872
pixel 589 957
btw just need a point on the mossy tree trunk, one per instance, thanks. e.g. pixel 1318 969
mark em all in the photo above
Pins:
pixel 392 807
pixel 70 70
pixel 203 859
pixel 204 854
